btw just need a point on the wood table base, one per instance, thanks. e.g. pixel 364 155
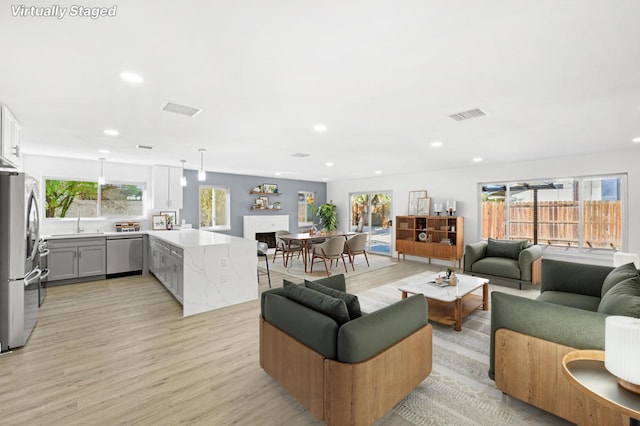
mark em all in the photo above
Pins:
pixel 452 313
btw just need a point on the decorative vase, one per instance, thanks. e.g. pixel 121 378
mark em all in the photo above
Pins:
pixel 453 279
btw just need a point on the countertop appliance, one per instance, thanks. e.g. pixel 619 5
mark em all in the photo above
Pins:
pixel 19 259
pixel 127 226
pixel 124 254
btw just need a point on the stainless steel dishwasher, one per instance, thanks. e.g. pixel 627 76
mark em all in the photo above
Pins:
pixel 124 254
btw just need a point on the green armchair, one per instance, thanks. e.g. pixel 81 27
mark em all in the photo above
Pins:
pixel 345 367
pixel 504 262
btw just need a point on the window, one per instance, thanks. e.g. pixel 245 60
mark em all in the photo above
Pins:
pixel 67 198
pixel 215 207
pixel 582 214
pixel 121 200
pixel 305 208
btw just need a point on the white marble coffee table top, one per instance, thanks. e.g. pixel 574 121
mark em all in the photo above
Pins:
pixel 425 283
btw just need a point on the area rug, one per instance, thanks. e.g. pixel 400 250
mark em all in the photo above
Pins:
pixel 458 391
pixel 295 268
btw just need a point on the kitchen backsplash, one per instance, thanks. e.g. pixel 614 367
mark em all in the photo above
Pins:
pixel 69 226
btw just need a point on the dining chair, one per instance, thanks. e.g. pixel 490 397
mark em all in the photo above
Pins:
pixel 262 252
pixel 286 247
pixel 312 243
pixel 331 249
pixel 354 246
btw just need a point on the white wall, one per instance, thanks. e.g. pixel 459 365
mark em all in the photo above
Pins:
pixel 52 167
pixel 461 184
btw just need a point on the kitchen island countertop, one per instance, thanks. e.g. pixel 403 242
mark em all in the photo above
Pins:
pixel 218 270
pixel 194 238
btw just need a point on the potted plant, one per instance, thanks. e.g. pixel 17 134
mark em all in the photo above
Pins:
pixel 327 215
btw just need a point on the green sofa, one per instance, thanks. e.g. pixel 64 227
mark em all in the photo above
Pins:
pixel 529 337
pixel 344 366
pixel 504 262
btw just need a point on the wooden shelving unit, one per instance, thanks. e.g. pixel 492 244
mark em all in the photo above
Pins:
pixel 256 206
pixel 433 237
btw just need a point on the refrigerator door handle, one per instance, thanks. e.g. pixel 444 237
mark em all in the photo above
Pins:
pixel 32 277
pixel 45 273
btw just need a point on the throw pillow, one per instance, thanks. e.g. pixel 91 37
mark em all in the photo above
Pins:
pixel 505 248
pixel 622 299
pixel 286 281
pixel 333 308
pixel 353 305
pixel 336 282
pixel 617 275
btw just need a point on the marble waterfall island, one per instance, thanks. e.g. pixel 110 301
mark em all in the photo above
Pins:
pixel 218 270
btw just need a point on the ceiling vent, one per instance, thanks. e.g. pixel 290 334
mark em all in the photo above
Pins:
pixel 181 109
pixel 300 155
pixel 144 146
pixel 466 115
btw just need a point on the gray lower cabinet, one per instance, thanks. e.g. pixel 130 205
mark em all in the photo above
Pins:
pixel 167 265
pixel 63 263
pixel 76 258
pixel 92 261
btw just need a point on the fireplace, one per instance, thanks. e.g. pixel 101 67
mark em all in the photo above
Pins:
pixel 263 227
pixel 267 237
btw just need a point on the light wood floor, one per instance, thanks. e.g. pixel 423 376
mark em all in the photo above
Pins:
pixel 119 352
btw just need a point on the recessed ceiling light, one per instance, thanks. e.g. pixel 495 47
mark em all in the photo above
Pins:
pixel 328 164
pixel 131 77
pixel 325 179
pixel 320 128
pixel 278 173
pixel 378 172
pixel 477 160
pixel 436 144
pixel 636 140
pixel 111 132
pixel 104 151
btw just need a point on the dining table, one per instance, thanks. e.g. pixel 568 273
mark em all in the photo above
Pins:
pixel 305 239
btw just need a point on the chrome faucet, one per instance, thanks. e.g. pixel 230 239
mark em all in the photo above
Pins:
pixel 78 230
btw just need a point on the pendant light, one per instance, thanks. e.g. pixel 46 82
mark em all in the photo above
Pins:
pixel 183 178
pixel 101 179
pixel 202 175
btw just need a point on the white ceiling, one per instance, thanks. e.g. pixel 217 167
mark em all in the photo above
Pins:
pixel 556 78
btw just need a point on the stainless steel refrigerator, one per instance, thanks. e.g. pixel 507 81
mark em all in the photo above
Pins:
pixel 19 258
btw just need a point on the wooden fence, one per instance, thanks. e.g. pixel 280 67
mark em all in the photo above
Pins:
pixel 558 222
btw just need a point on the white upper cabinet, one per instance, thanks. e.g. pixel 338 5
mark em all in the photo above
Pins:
pixel 167 192
pixel 10 140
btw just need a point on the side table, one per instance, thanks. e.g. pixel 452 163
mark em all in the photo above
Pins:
pixel 585 370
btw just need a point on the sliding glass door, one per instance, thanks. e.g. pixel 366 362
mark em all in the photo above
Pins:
pixel 371 214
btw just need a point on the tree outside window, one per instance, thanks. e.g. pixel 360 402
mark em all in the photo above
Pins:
pixel 215 207
pixel 68 198
pixel 121 200
pixel 306 200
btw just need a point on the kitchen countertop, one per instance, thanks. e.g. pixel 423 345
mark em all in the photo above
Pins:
pixel 193 238
pixel 217 270
pixel 89 235
pixel 183 238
